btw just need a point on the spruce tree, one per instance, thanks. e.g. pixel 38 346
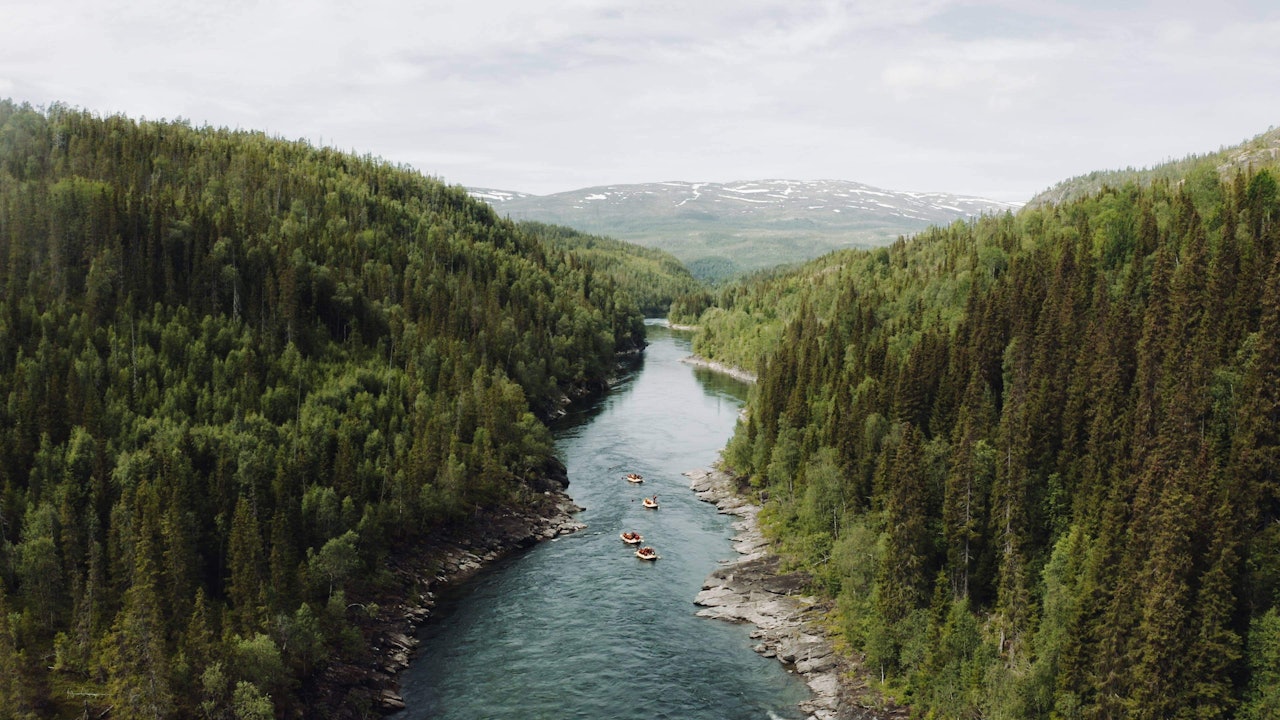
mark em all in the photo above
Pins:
pixel 903 578
pixel 134 656
pixel 245 581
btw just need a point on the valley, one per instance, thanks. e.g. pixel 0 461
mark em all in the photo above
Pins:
pixel 720 230
pixel 1024 459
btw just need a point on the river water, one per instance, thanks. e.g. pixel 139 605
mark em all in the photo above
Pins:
pixel 581 628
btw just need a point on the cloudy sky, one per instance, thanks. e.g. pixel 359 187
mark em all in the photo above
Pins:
pixel 996 98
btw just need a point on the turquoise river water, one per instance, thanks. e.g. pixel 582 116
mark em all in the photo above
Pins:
pixel 581 628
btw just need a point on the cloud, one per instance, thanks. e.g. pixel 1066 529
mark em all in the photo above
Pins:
pixel 1175 32
pixel 556 94
pixel 1000 68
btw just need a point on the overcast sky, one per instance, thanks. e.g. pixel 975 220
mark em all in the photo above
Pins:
pixel 999 99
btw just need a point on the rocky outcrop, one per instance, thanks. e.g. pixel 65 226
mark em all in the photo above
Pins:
pixel 452 555
pixel 754 589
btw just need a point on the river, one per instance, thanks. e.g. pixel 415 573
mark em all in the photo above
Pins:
pixel 581 628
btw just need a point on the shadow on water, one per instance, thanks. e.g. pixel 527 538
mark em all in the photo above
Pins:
pixel 579 627
pixel 584 412
pixel 719 385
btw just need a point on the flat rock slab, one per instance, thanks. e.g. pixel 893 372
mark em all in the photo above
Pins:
pixel 753 589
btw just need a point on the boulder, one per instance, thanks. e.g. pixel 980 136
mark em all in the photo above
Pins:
pixel 390 700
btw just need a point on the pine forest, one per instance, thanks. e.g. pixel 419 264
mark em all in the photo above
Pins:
pixel 236 373
pixel 1034 458
pixel 1031 460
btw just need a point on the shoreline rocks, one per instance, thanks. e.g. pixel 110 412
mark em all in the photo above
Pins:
pixel 422 571
pixel 754 589
pixel 733 372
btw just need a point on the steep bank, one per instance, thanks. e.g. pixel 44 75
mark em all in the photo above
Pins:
pixel 451 555
pixel 753 589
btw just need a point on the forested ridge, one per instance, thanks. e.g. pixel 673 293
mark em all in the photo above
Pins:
pixel 1035 458
pixel 1256 153
pixel 652 277
pixel 234 371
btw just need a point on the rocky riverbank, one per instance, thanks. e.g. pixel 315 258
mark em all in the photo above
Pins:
pixel 352 689
pixel 752 589
pixel 731 371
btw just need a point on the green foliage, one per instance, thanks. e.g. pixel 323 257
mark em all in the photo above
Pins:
pixel 38 568
pixel 1034 457
pixel 335 561
pixel 257 659
pixel 249 703
pixel 1262 699
pixel 19 696
pixel 687 308
pixel 935 270
pixel 1202 171
pixel 955 666
pixel 234 371
pixel 653 278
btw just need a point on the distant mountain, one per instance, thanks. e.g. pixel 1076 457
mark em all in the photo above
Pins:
pixel 1258 152
pixel 722 229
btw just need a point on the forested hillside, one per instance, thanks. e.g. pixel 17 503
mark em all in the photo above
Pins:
pixel 234 371
pixel 1035 458
pixel 653 278
pixel 1262 151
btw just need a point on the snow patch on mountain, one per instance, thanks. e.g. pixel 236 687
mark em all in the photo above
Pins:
pixel 769 199
pixel 496 197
